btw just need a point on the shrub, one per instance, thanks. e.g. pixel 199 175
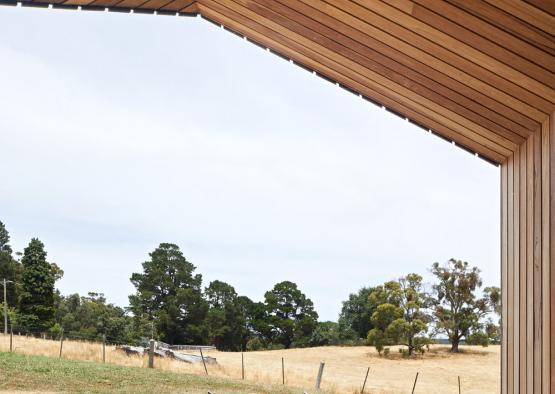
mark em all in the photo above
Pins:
pixel 478 338
pixel 255 344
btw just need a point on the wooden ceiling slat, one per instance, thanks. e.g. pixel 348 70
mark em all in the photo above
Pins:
pixel 297 22
pixel 240 24
pixel 471 98
pixel 78 2
pixel 345 74
pixel 507 22
pixel 445 61
pixel 129 3
pixel 357 71
pixel 181 6
pixel 490 32
pixel 545 5
pixel 459 47
pixel 527 13
pixel 154 4
pixel 537 64
pixel 104 3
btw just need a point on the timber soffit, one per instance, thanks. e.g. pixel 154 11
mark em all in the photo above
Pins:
pixel 478 73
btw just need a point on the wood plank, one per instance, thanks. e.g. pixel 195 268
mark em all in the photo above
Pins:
pixel 537 266
pixel 516 270
pixel 129 3
pixel 552 240
pixel 340 72
pixel 530 266
pixel 316 19
pixel 546 261
pixel 294 21
pixel 443 60
pixel 510 278
pixel 524 65
pixel 460 48
pixel 488 32
pixel 522 268
pixel 507 22
pixel 547 6
pixel 527 13
pixel 504 273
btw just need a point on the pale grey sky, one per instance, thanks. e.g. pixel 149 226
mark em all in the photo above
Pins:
pixel 118 132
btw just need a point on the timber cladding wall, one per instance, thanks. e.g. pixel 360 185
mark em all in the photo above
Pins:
pixel 479 73
pixel 527 270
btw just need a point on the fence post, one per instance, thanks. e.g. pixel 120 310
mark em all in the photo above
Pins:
pixel 414 386
pixel 61 342
pixel 242 367
pixel 282 371
pixel 459 384
pixel 319 377
pixel 11 339
pixel 151 354
pixel 203 363
pixel 104 348
pixel 364 384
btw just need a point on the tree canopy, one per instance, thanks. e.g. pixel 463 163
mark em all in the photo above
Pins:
pixel 169 296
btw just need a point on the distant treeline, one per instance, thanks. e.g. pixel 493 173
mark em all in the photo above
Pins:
pixel 170 304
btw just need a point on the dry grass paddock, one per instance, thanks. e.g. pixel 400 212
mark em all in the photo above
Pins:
pixel 479 368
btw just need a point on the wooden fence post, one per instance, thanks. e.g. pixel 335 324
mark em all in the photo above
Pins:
pixel 203 362
pixel 61 342
pixel 364 384
pixel 11 340
pixel 151 354
pixel 282 371
pixel 414 386
pixel 242 367
pixel 319 376
pixel 104 348
pixel 459 384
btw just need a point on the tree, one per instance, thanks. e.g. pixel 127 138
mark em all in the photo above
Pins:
pixel 291 316
pixel 356 313
pixel 10 269
pixel 326 334
pixel 227 317
pixel 168 296
pixel 36 305
pixel 400 317
pixel 456 308
pixel 91 317
pixel 5 240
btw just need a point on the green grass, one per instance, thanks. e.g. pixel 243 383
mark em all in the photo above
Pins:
pixel 38 373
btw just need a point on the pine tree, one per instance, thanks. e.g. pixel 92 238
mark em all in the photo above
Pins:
pixel 169 298
pixel 36 306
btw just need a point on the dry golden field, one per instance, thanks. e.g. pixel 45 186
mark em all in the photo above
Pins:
pixel 478 368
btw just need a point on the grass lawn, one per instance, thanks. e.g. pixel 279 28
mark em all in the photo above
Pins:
pixel 38 373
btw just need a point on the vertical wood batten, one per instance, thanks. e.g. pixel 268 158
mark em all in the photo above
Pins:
pixel 552 241
pixel 530 265
pixel 522 269
pixel 546 260
pixel 537 265
pixel 516 271
pixel 504 265
pixel 510 276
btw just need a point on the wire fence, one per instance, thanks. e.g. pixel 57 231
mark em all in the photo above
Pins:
pixel 104 348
